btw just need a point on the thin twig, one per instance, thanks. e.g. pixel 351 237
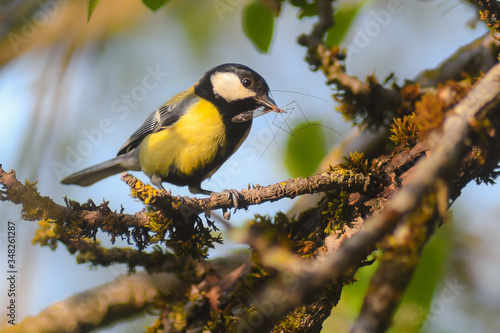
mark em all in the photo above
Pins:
pixel 290 188
pixel 18 193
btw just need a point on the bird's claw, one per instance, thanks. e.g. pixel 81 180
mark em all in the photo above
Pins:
pixel 233 195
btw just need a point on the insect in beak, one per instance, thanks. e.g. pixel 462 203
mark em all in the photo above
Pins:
pixel 268 106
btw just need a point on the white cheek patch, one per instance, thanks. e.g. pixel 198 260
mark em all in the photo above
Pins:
pixel 228 86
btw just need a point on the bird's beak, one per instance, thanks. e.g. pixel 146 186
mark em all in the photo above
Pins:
pixel 262 101
pixel 268 104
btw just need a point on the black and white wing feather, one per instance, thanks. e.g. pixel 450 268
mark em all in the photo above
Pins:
pixel 165 116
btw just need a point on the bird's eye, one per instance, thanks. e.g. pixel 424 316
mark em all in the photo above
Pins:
pixel 246 82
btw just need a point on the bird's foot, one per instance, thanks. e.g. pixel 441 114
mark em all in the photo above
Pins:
pixel 157 181
pixel 234 196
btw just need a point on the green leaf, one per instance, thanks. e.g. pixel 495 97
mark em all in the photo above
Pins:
pixel 306 9
pixel 258 25
pixel 154 5
pixel 352 300
pixel 92 4
pixel 305 149
pixel 342 19
pixel 420 292
pixel 298 3
pixel 198 19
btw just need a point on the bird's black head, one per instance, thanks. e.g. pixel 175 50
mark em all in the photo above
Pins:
pixel 235 88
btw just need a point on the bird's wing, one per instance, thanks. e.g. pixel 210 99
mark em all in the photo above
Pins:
pixel 165 116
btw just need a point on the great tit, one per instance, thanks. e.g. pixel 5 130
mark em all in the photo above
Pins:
pixel 189 137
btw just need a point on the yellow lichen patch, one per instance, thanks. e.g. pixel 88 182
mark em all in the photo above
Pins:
pixel 404 131
pixel 308 247
pixel 144 192
pixel 429 113
pixel 178 317
pixel 356 162
pixel 337 211
pixel 183 232
pixel 160 226
pixel 221 323
pixel 48 233
pixel 431 109
pixel 293 321
pixel 491 20
pixel 35 206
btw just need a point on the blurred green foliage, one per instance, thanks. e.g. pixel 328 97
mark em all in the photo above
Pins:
pixel 416 302
pixel 154 5
pixel 258 25
pixel 92 5
pixel 257 20
pixel 305 149
pixel 199 20
pixel 343 17
pixel 307 9
pixel 414 308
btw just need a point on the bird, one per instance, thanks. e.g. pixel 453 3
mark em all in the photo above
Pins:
pixel 187 139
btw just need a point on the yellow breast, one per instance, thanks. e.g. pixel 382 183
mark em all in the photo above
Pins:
pixel 187 145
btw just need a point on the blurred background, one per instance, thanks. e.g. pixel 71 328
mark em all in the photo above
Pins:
pixel 72 92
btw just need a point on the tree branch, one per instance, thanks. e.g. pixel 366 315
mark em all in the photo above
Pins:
pixel 290 188
pixel 35 205
pixel 398 262
pixel 316 37
pixel 490 14
pixel 447 150
pixel 125 297
pixel 90 251
pixel 82 222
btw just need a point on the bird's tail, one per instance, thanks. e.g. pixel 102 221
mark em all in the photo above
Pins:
pixel 102 170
